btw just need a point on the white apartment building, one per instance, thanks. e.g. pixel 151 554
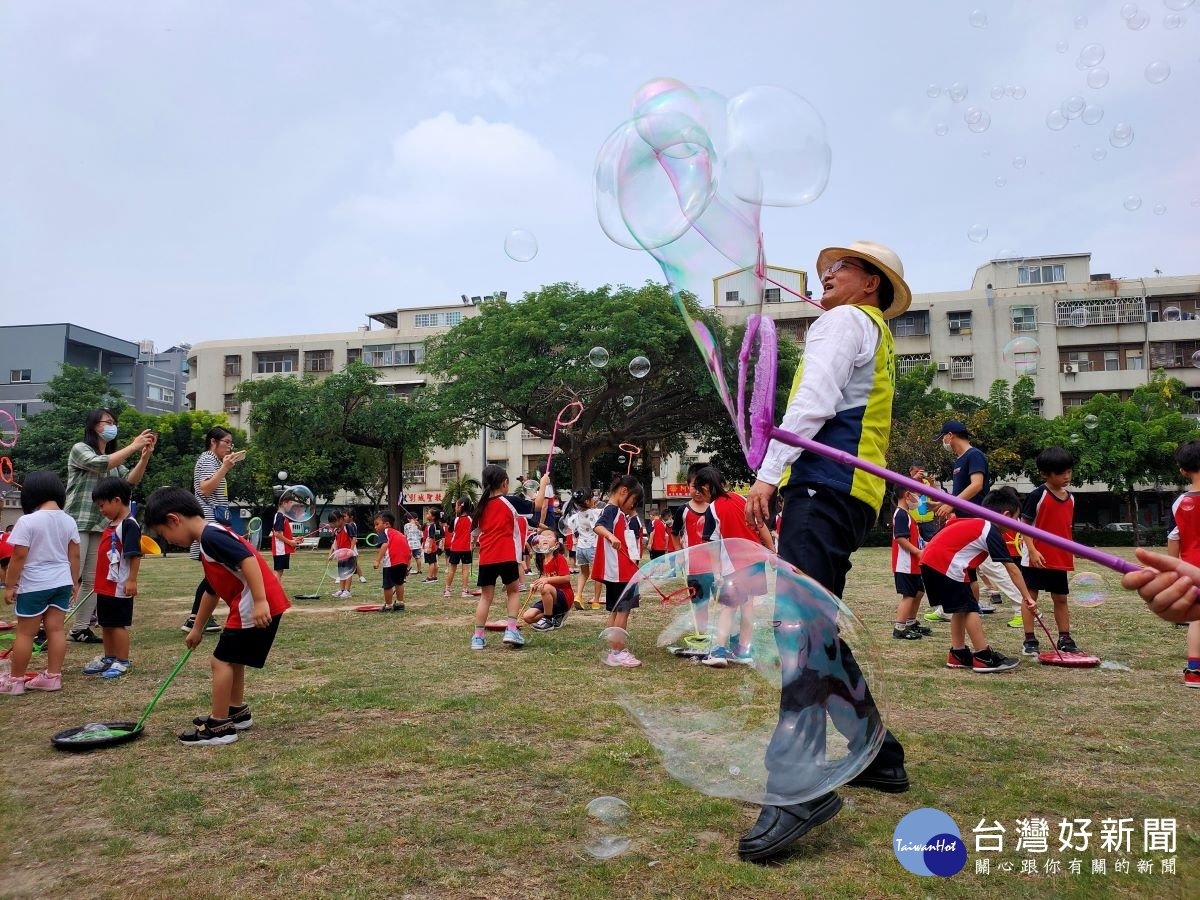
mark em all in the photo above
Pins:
pixel 1077 333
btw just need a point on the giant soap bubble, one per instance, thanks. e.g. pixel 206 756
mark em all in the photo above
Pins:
pixel 297 503
pixel 728 738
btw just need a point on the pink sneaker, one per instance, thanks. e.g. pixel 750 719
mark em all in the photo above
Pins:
pixel 622 658
pixel 44 681
pixel 11 685
pixel 446 592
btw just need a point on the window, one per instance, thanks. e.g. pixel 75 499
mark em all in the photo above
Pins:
pixel 962 367
pixel 377 355
pixel 502 463
pixel 911 324
pixel 960 322
pixel 20 376
pixel 497 434
pixel 771 295
pixel 353 355
pixel 731 297
pixel 436 320
pixel 1039 407
pixel 318 360
pixel 1024 318
pixel 414 474
pixel 449 471
pixel 1081 359
pixel 160 394
pixel 1112 360
pixel 193 367
pixel 1134 360
pixel 1101 311
pixel 231 404
pixel 276 362
pixel 1069 402
pixel 406 389
pixel 1051 274
pixel 233 366
pixel 911 362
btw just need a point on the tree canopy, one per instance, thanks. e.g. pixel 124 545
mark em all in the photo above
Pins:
pixel 520 363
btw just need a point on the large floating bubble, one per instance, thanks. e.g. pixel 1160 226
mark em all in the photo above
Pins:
pixel 1091 55
pixel 297 503
pixel 1178 5
pixel 639 367
pixel 520 245
pixel 1172 21
pixel 1023 354
pixel 977 233
pixel 1097 77
pixel 957 92
pixel 1055 120
pixel 1132 202
pixel 978 18
pixel 941 129
pixel 779 154
pixel 604 816
pixel 933 91
pixel 1138 21
pixel 1121 135
pixel 727 738
pixel 1087 588
pixel 1158 71
pixel 598 357
pixel 1073 107
pixel 1092 114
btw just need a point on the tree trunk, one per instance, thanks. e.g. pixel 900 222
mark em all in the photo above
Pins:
pixel 1131 501
pixel 395 465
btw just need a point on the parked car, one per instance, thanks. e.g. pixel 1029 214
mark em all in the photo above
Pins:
pixel 1119 526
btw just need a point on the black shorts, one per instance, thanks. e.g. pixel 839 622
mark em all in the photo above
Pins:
pixel 246 646
pixel 655 554
pixel 114 612
pixel 561 606
pixel 1053 581
pixel 617 599
pixel 283 562
pixel 430 558
pixel 703 585
pixel 394 576
pixel 459 557
pixel 507 572
pixel 952 596
pixel 909 585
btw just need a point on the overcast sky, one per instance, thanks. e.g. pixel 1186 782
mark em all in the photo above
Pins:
pixel 190 170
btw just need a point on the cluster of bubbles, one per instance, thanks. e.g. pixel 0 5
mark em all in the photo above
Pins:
pixel 520 245
pixel 734 743
pixel 605 816
pixel 297 503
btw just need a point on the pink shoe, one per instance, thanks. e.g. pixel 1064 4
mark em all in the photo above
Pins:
pixel 446 592
pixel 11 685
pixel 622 658
pixel 44 681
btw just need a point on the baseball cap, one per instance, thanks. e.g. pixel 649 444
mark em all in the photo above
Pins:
pixel 953 426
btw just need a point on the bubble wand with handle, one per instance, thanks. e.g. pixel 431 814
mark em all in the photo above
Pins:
pixel 568 415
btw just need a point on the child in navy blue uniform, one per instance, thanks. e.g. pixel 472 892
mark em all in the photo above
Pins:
pixel 117 563
pixel 906 567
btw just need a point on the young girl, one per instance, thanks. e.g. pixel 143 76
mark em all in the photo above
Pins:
pixel 692 527
pixel 499 555
pixel 412 533
pixel 42 580
pixel 583 515
pixel 346 551
pixel 434 532
pixel 726 513
pixel 458 553
pixel 553 586
pixel 616 565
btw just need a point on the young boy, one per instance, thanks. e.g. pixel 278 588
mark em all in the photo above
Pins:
pixel 236 573
pixel 1044 567
pixel 616 567
pixel 946 565
pixel 1183 542
pixel 117 562
pixel 906 567
pixel 394 556
pixel 283 544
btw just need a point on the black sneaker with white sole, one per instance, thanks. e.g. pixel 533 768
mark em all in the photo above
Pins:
pixel 905 634
pixel 188 623
pixel 1066 644
pixel 988 660
pixel 920 629
pixel 210 732
pixel 85 636
pixel 239 716
pixel 1030 647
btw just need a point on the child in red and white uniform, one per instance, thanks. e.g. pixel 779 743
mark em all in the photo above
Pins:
pixel 659 536
pixel 1183 542
pixel 552 586
pixel 906 567
pixel 947 562
pixel 118 560
pixel 499 526
pixel 617 551
pixel 236 573
pixel 435 533
pixel 345 551
pixel 693 525
pixel 394 556
pixel 1051 508
pixel 458 551
pixel 283 543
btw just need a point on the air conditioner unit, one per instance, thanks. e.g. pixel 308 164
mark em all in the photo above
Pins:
pixel 233 408
pixel 1070 368
pixel 1196 395
pixel 943 367
pixel 955 329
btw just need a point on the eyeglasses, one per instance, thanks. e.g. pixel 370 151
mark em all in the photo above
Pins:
pixel 841 264
pixel 227 440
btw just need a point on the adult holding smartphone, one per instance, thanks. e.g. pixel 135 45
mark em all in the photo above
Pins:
pixel 96 457
pixel 208 481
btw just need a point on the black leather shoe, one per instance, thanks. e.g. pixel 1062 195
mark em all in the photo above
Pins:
pixel 778 827
pixel 890 780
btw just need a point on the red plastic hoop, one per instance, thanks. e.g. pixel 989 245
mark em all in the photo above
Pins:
pixel 5 414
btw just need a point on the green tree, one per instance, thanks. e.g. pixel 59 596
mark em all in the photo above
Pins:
pixel 918 411
pixel 180 441
pixel 462 488
pixel 47 437
pixel 316 428
pixel 522 362
pixel 1127 443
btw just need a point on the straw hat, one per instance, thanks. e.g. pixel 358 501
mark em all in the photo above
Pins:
pixel 883 258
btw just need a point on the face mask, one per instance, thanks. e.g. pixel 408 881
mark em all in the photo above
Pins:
pixel 108 432
pixel 947 446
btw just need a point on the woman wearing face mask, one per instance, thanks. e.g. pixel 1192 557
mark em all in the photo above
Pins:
pixel 95 457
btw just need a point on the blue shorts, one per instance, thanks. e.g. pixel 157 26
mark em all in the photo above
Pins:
pixel 909 585
pixel 586 554
pixel 33 603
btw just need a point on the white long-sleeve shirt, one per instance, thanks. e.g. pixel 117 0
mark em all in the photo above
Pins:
pixel 841 340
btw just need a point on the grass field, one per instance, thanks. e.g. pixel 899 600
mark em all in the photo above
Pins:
pixel 388 760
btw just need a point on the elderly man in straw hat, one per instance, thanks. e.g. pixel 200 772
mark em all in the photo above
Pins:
pixel 841 397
